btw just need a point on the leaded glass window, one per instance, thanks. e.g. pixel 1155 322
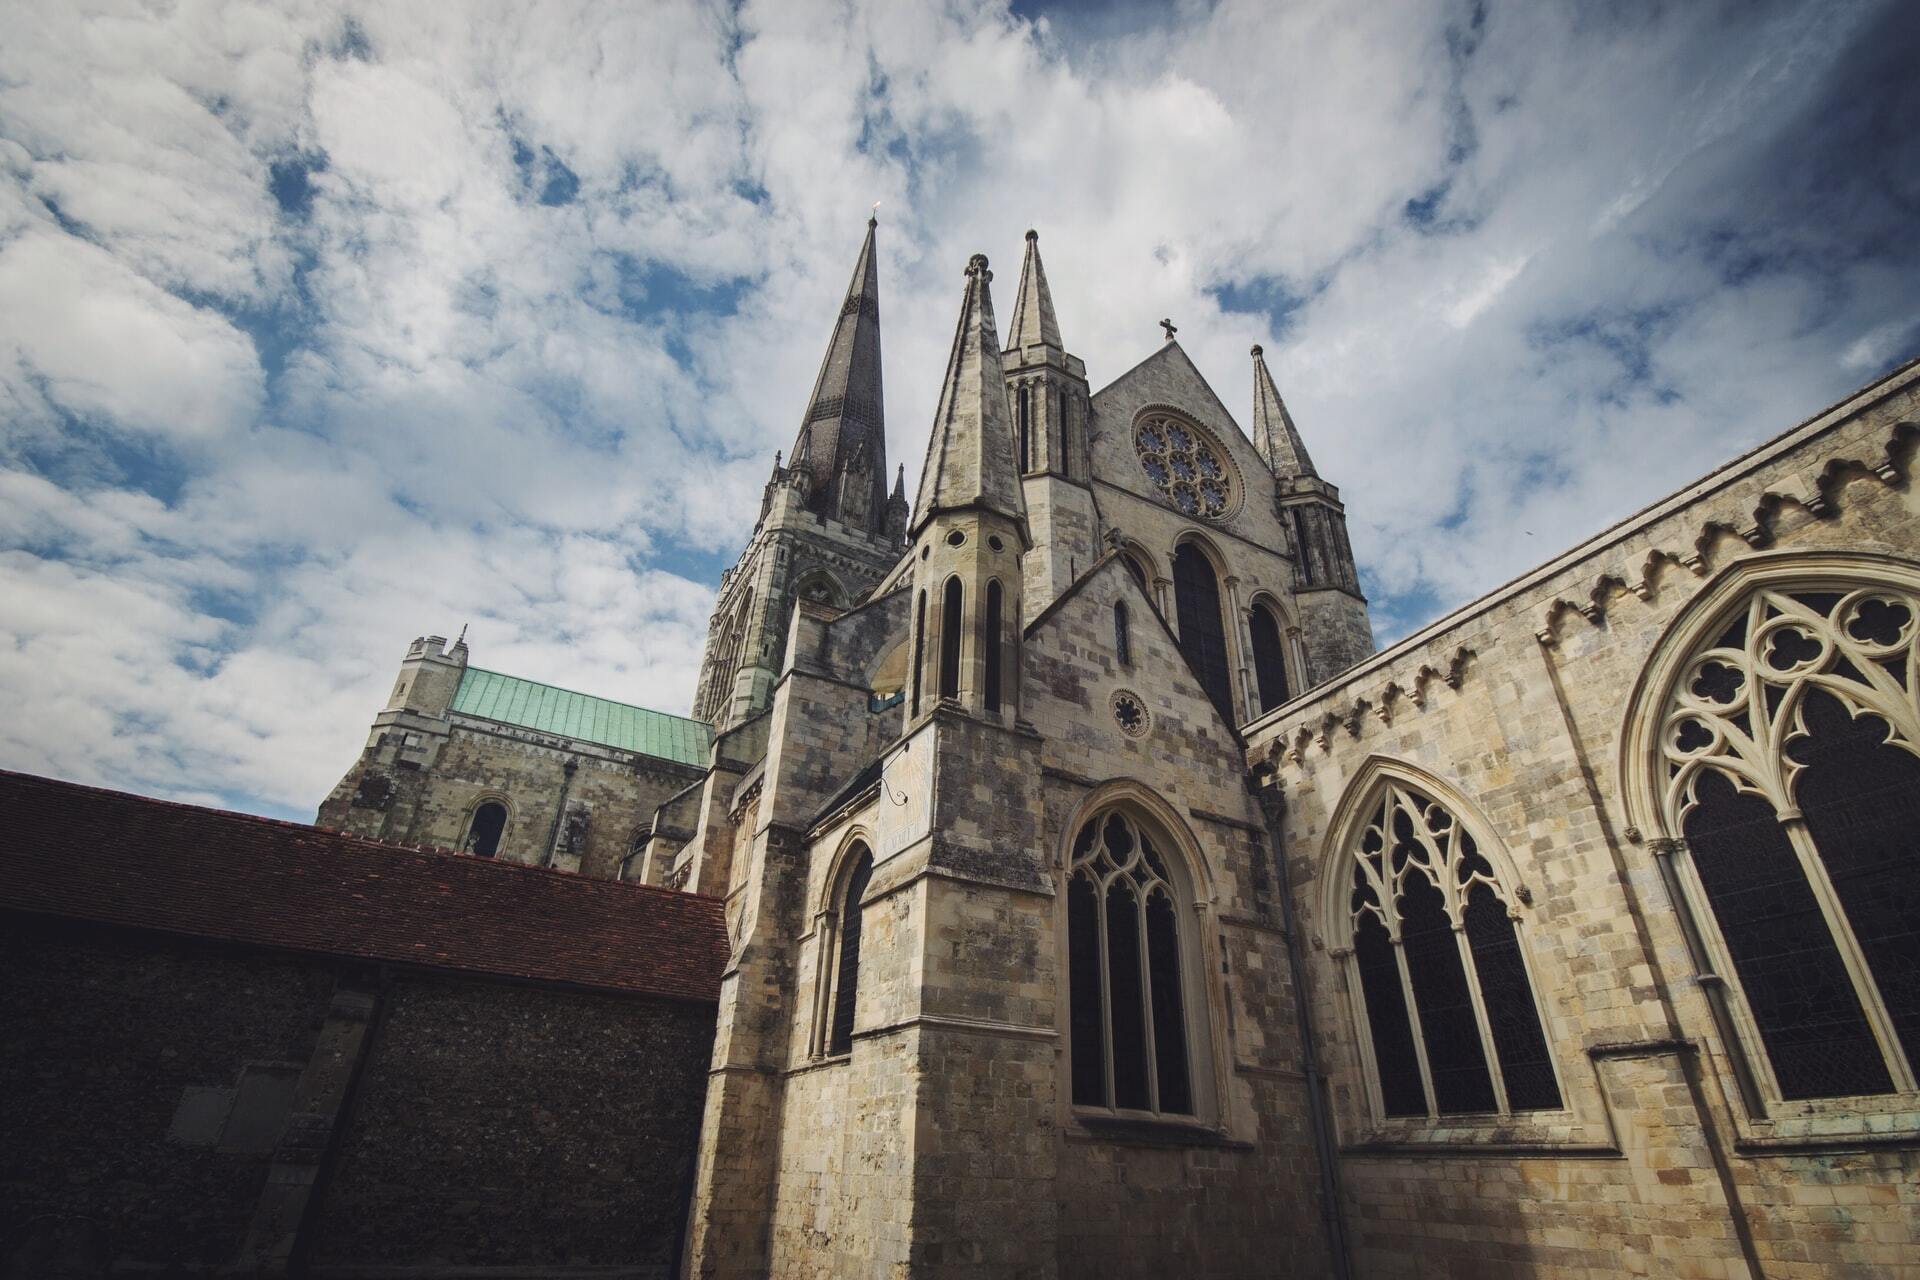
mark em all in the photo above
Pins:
pixel 1449 1010
pixel 1269 666
pixel 1790 765
pixel 1128 1020
pixel 1186 464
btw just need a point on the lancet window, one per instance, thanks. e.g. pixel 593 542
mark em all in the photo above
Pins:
pixel 846 962
pixel 1122 639
pixel 950 641
pixel 1128 930
pixel 1789 765
pixel 1269 663
pixel 1203 637
pixel 1449 1009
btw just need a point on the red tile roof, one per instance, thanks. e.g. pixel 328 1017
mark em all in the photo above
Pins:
pixel 106 856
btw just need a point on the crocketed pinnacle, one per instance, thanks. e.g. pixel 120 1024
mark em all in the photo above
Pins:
pixel 1274 434
pixel 1033 318
pixel 843 437
pixel 970 457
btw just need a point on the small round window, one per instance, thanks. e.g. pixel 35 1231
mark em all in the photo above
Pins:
pixel 1185 464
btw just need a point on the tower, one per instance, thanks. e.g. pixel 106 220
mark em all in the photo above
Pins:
pixel 969 533
pixel 1333 613
pixel 828 529
pixel 1051 407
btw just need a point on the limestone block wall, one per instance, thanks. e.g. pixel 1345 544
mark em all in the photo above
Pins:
pixel 1515 708
pixel 437 784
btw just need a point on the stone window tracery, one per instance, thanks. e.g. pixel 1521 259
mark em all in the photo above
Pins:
pixel 1131 1032
pixel 1789 764
pixel 1186 464
pixel 1448 1009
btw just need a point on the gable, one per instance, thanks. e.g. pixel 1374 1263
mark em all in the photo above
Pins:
pixel 1168 380
pixel 1073 676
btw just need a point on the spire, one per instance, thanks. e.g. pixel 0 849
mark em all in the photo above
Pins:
pixel 970 460
pixel 1033 319
pixel 1274 434
pixel 843 436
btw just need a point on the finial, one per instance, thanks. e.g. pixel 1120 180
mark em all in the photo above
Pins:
pixel 463 635
pixel 873 219
pixel 777 454
pixel 1032 234
pixel 1258 351
pixel 977 266
pixel 1169 326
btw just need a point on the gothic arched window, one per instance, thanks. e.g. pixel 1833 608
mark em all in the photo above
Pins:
pixel 1449 1010
pixel 1026 429
pixel 919 646
pixel 990 636
pixel 1129 929
pixel 484 830
pixel 846 964
pixel 950 641
pixel 1122 641
pixel 1203 636
pixel 1269 662
pixel 1789 763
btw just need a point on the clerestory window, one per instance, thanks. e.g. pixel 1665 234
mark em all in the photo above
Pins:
pixel 1133 1034
pixel 1447 1004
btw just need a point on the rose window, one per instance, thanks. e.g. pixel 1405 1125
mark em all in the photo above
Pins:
pixel 1184 465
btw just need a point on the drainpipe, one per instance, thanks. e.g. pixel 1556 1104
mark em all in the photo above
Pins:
pixel 1273 804
pixel 560 810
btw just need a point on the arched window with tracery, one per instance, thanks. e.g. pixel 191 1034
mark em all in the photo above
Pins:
pixel 1269 662
pixel 1788 764
pixel 1130 952
pixel 488 823
pixel 1448 1005
pixel 846 962
pixel 1203 636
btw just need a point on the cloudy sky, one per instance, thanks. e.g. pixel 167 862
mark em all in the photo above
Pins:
pixel 327 325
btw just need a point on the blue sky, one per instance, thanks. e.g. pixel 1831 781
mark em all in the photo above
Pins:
pixel 327 325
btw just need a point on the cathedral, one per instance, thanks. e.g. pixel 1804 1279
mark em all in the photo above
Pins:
pixel 1053 880
pixel 1099 902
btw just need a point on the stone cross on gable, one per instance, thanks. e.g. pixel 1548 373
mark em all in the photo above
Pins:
pixel 1168 325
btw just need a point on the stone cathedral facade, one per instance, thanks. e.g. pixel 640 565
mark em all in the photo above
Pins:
pixel 1100 903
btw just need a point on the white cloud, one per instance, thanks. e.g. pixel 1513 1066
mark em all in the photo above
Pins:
pixel 1526 251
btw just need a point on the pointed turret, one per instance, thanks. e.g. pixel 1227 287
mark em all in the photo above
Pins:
pixel 970 455
pixel 1033 319
pixel 1274 434
pixel 842 444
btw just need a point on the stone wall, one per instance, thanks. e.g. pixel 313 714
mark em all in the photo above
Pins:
pixel 147 1118
pixel 437 782
pixel 1515 707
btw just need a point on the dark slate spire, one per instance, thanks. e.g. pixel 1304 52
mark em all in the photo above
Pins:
pixel 1274 434
pixel 843 439
pixel 970 460
pixel 1033 319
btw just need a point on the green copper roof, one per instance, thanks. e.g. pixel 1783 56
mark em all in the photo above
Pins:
pixel 533 705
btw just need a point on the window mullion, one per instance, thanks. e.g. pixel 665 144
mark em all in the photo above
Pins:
pixel 1146 1003
pixel 1850 955
pixel 1419 1034
pixel 1481 1018
pixel 1106 993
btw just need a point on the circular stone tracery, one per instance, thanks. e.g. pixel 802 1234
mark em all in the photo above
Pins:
pixel 1185 464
